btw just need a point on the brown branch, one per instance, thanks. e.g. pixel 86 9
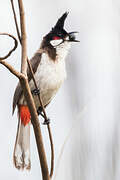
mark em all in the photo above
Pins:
pixel 13 49
pixel 29 98
pixel 45 117
pixel 41 104
pixel 34 118
pixel 11 69
pixel 23 39
pixel 15 19
pixel 27 92
pixel 36 127
pixel 52 151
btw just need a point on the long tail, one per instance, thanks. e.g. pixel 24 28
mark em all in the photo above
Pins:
pixel 21 156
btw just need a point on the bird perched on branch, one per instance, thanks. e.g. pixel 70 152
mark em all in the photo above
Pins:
pixel 48 65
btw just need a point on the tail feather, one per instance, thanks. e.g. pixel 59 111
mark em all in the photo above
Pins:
pixel 21 156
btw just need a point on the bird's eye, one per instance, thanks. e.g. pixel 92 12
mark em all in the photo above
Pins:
pixel 56 37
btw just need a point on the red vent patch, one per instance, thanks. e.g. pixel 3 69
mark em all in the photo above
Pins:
pixel 24 114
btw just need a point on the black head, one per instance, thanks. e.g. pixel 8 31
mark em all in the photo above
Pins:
pixel 59 33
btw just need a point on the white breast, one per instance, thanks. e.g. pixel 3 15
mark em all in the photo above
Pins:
pixel 49 77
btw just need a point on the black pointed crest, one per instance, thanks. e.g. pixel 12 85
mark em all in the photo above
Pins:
pixel 60 22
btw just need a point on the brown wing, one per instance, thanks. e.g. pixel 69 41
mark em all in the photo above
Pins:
pixel 18 91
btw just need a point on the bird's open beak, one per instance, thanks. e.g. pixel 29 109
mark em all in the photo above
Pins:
pixel 72 37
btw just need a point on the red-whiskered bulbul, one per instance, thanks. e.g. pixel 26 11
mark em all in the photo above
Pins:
pixel 48 65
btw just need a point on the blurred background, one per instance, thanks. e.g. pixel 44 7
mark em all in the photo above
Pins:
pixel 85 114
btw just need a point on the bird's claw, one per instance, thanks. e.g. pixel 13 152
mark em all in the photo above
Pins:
pixel 35 92
pixel 46 122
pixel 39 111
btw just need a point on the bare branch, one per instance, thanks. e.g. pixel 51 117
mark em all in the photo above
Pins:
pixel 40 100
pixel 13 49
pixel 23 39
pixel 36 126
pixel 26 89
pixel 34 118
pixel 52 151
pixel 29 98
pixel 11 69
pixel 45 117
pixel 15 19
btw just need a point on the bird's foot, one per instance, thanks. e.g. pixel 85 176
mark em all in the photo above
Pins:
pixel 35 92
pixel 39 111
pixel 46 122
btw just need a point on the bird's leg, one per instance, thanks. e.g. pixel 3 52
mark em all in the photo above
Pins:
pixel 35 92
pixel 39 111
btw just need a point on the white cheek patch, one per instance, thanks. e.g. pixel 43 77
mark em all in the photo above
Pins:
pixel 56 42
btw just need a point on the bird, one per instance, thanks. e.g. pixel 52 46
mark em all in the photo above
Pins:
pixel 49 67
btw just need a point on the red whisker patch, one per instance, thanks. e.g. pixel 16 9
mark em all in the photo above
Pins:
pixel 56 38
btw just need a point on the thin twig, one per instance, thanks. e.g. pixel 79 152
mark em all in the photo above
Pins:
pixel 15 19
pixel 41 104
pixel 13 49
pixel 11 69
pixel 45 117
pixel 52 151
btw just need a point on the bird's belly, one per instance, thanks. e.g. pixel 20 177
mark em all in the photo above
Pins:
pixel 47 92
pixel 49 79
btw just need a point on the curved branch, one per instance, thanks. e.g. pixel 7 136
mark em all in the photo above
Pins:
pixel 13 49
pixel 52 151
pixel 11 69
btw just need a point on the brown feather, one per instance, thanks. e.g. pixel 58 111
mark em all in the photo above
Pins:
pixel 18 91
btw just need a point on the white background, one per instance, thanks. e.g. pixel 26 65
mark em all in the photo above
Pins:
pixel 85 114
